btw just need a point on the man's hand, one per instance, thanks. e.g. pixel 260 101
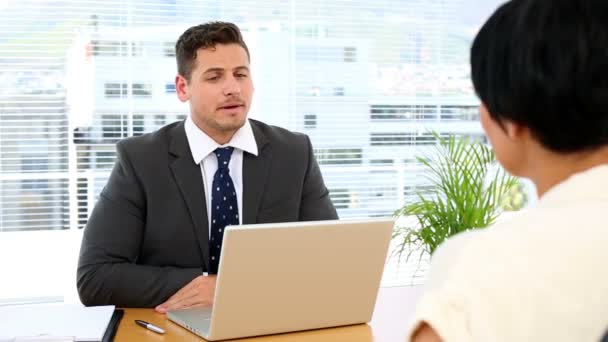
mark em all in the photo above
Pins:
pixel 199 292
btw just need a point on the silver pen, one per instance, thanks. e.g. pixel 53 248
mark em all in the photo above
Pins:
pixel 149 326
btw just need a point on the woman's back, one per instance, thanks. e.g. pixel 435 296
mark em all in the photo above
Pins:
pixel 538 276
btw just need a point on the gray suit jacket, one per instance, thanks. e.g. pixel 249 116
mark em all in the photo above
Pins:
pixel 148 234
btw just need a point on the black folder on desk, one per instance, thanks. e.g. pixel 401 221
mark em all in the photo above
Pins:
pixel 108 336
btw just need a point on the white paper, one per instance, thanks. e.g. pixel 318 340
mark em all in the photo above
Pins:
pixel 80 323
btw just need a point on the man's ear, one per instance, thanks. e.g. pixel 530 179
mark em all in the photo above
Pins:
pixel 515 131
pixel 181 88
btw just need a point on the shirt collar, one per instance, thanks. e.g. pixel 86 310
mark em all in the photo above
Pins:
pixel 201 145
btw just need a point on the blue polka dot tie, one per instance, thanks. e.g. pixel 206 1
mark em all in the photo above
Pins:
pixel 224 209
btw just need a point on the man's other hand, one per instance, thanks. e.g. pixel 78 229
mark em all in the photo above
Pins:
pixel 198 293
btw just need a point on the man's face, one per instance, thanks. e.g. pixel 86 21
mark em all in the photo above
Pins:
pixel 219 91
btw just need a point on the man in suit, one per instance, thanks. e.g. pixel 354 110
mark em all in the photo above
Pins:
pixel 154 237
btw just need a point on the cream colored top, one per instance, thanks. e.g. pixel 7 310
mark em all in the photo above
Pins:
pixel 540 276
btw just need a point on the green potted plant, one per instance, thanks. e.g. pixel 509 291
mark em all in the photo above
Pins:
pixel 467 192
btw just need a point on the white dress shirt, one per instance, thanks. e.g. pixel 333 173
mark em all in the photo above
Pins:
pixel 539 276
pixel 202 147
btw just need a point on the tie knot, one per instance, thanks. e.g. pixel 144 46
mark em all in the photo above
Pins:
pixel 223 156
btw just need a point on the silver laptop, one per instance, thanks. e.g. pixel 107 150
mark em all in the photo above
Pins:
pixel 276 278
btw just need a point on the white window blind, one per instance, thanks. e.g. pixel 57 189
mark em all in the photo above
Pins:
pixel 366 80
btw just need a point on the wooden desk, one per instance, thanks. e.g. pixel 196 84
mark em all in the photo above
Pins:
pixel 394 308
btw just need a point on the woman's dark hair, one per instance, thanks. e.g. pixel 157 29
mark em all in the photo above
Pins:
pixel 544 64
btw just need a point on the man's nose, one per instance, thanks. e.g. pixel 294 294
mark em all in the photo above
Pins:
pixel 232 86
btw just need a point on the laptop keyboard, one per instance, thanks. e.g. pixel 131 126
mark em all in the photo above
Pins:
pixel 205 315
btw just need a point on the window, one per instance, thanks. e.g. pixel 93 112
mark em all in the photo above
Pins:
pixel 340 198
pixel 314 91
pixel 114 127
pixel 310 121
pixel 339 156
pixel 362 78
pixel 459 113
pixel 311 31
pixel 416 112
pixel 170 88
pixel 350 54
pixel 142 90
pixel 109 48
pixel 403 112
pixel 139 123
pixel 411 193
pixel 334 54
pixel 413 53
pixel 390 139
pixel 159 120
pixel 381 162
pixel 117 90
pixel 169 49
pixel 403 139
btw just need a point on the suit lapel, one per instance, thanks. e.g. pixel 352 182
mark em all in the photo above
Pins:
pixel 188 177
pixel 255 174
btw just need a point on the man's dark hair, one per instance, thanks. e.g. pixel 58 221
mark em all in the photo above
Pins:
pixel 204 36
pixel 544 64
